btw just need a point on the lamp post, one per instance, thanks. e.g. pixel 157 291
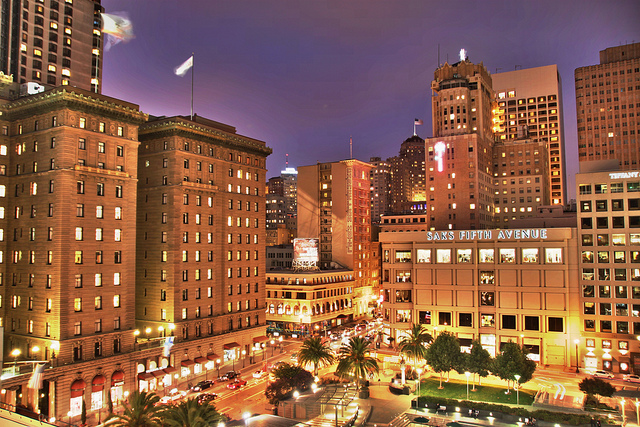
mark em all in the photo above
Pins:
pixel 272 347
pixel 15 353
pixel 467 374
pixel 517 389
pixel 402 368
pixel 419 371
pixel 244 356
pixel 161 331
pixel 246 417
pixel 577 341
pixel 147 332
pixel 233 360
pixel 218 366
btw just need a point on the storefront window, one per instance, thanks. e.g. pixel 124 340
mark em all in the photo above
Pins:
pixel 603 240
pixel 553 255
pixel 403 256
pixel 587 274
pixel 425 317
pixel 487 277
pixel 618 239
pixel 604 291
pixel 403 316
pixel 587 257
pixel 588 291
pixel 443 256
pixel 464 256
pixel 486 255
pixel 619 257
pixel 487 298
pixel 507 256
pixel 424 255
pixel 634 239
pixel 487 320
pixel 530 255
pixel 603 257
pixel 589 308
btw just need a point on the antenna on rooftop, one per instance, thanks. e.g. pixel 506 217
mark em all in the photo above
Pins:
pixel 350 147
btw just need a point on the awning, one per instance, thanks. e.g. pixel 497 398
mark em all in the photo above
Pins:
pixel 231 345
pixel 170 370
pixel 213 357
pixel 342 316
pixel 158 373
pixel 187 362
pixel 98 382
pixel 145 376
pixel 201 360
pixel 116 378
pixel 260 339
pixel 77 388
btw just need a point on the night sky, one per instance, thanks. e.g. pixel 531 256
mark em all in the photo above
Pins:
pixel 306 75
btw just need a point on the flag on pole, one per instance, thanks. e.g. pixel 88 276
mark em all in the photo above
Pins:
pixel 117 27
pixel 35 382
pixel 418 122
pixel 168 343
pixel 186 65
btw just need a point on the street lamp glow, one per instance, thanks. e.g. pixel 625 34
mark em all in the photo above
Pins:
pixel 171 326
pixel 147 331
pixel 160 328
pixel 16 352
pixel 517 377
pixel 136 332
pixel 296 394
pixel 35 349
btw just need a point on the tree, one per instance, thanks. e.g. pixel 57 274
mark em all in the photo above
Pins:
pixel 513 361
pixel 189 413
pixel 412 344
pixel 139 411
pixel 315 352
pixel 596 387
pixel 109 402
pixel 443 354
pixel 287 379
pixel 478 361
pixel 354 359
pixel 83 414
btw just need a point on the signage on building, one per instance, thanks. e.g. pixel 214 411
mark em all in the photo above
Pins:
pixel 305 250
pixel 518 234
pixel 622 175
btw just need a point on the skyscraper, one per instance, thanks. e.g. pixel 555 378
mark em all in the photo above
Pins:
pixel 459 160
pixel 607 107
pixel 407 176
pixel 52 43
pixel 530 107
pixel 380 176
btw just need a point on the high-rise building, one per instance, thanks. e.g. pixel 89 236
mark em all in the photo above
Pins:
pixel 380 177
pixel 607 106
pixel 407 177
pixel 530 107
pixel 334 206
pixel 281 212
pixel 68 181
pixel 52 43
pixel 459 160
pixel 201 231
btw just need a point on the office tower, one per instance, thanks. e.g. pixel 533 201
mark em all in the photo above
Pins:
pixel 530 107
pixel 334 206
pixel 459 158
pixel 380 177
pixel 52 43
pixel 281 212
pixel 609 230
pixel 69 174
pixel 407 176
pixel 200 230
pixel 608 106
pixel 520 180
pixel 290 193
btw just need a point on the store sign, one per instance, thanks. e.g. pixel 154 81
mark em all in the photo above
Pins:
pixel 623 175
pixel 527 233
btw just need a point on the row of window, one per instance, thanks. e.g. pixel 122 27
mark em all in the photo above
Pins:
pixel 606 326
pixel 464 256
pixel 239 222
pixel 247 272
pixel 621 309
pixel 606 291
pixel 100 189
pixel 247 205
pixel 603 257
pixel 617 205
pixel 77 303
pixel 613 239
pixel 619 274
pixel 612 187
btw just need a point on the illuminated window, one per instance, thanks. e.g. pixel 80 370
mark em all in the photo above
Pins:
pixel 116 301
pixel 52 68
pixel 66 72
pixel 77 304
pixel 37 52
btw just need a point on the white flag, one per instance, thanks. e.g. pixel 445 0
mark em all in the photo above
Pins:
pixel 186 65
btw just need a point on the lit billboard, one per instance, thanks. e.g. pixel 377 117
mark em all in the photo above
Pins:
pixel 305 250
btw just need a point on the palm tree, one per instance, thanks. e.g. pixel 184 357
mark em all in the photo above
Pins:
pixel 413 343
pixel 189 413
pixel 139 411
pixel 354 360
pixel 316 352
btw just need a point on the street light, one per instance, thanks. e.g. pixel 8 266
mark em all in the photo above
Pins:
pixel 467 374
pixel 233 360
pixel 272 347
pixel 161 331
pixel 15 353
pixel 218 366
pixel 244 353
pixel 517 389
pixel 577 341
pixel 246 417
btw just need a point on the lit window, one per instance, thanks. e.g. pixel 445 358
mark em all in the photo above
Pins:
pixel 37 52
pixel 78 233
pixel 118 235
pixel 116 301
pixel 52 68
pixel 66 72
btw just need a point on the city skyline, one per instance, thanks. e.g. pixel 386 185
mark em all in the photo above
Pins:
pixel 306 76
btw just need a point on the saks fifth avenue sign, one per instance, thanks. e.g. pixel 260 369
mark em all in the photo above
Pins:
pixel 527 233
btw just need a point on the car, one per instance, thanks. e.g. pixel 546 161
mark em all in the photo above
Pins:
pixel 603 374
pixel 202 385
pixel 258 374
pixel 207 397
pixel 173 396
pixel 294 357
pixel 236 384
pixel 229 376
pixel 632 378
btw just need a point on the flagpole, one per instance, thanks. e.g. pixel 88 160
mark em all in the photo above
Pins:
pixel 192 71
pixel 414 128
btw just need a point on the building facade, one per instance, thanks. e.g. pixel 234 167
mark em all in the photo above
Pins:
pixel 407 177
pixel 380 176
pixel 529 104
pixel 608 104
pixel 52 43
pixel 492 285
pixel 609 238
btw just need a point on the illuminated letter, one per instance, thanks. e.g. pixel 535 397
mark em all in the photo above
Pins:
pixel 440 148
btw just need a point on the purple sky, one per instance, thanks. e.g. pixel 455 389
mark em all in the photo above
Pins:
pixel 305 75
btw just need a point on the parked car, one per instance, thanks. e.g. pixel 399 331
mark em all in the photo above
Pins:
pixel 236 384
pixel 294 357
pixel 603 374
pixel 202 385
pixel 632 378
pixel 258 374
pixel 229 376
pixel 207 397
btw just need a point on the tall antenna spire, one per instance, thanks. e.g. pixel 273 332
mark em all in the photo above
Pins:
pixel 350 147
pixel 287 159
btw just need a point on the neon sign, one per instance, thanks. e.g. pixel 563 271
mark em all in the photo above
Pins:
pixel 440 148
